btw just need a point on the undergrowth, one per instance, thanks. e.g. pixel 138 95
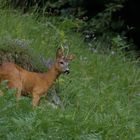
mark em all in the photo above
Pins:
pixel 101 94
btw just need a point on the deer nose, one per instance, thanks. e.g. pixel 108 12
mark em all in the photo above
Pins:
pixel 67 71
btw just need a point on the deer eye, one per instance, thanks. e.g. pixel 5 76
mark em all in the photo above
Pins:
pixel 61 62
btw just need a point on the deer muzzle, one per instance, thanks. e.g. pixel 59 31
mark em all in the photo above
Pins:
pixel 67 71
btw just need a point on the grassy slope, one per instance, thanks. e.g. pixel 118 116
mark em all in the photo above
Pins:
pixel 100 94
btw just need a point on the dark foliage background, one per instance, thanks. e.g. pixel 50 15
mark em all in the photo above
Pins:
pixel 119 16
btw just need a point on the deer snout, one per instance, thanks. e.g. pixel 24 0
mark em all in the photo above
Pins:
pixel 67 71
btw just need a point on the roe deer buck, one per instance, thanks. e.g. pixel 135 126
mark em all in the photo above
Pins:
pixel 31 82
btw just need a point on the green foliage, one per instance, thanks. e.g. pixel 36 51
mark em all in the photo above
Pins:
pixel 103 21
pixel 101 94
pixel 46 7
pixel 119 42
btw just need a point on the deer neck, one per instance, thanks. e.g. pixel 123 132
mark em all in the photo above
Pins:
pixel 52 75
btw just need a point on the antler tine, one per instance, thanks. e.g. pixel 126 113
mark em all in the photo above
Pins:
pixel 62 48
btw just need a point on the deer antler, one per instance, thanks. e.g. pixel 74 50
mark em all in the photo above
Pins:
pixel 60 52
pixel 63 48
pixel 67 51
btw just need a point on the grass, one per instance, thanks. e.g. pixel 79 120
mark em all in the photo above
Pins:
pixel 101 95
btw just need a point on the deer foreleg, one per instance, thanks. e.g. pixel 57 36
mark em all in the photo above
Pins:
pixel 18 94
pixel 36 100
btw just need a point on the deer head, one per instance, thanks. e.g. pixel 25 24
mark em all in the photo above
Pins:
pixel 62 61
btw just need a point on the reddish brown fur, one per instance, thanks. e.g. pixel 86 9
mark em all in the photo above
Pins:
pixel 30 82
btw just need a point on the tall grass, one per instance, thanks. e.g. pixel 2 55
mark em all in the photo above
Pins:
pixel 101 95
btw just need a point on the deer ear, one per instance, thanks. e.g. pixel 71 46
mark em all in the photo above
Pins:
pixel 59 53
pixel 71 57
